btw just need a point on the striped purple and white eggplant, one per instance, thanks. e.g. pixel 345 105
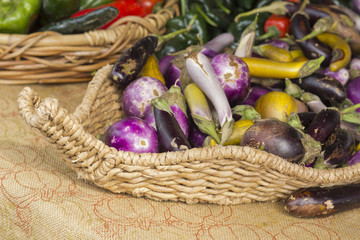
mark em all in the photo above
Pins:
pixel 342 75
pixel 234 76
pixel 200 110
pixel 202 73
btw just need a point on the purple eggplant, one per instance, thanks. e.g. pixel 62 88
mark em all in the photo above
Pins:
pixel 337 150
pixel 170 135
pixel 312 48
pixel 138 94
pixel 276 137
pixel 196 137
pixel 234 76
pixel 354 159
pixel 132 134
pixel 306 118
pixel 217 44
pixel 255 92
pixel 164 64
pixel 355 63
pixel 318 201
pixel 327 88
pixel 342 75
pixel 324 124
pixel 355 5
pixel 278 43
pixel 353 91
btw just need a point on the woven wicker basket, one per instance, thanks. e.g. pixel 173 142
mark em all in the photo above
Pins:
pixel 49 57
pixel 218 174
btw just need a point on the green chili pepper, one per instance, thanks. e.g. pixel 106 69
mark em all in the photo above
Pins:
pixel 85 4
pixel 56 10
pixel 18 16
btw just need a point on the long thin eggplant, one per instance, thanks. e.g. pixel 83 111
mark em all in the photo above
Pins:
pixel 317 201
pixel 131 62
pixel 312 48
pixel 324 124
pixel 170 135
pixel 329 90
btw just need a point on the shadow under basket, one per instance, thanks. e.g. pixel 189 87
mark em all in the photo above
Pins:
pixel 50 57
pixel 218 174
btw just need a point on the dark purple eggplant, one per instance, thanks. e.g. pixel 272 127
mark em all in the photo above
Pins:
pixel 317 201
pixel 327 88
pixel 170 135
pixel 276 137
pixel 312 48
pixel 130 63
pixel 337 150
pixel 324 124
pixel 256 91
pixel 306 118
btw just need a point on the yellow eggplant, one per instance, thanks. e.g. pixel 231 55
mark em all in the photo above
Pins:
pixel 276 104
pixel 151 69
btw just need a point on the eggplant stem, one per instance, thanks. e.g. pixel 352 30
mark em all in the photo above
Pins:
pixel 310 66
pixel 226 130
pixel 322 25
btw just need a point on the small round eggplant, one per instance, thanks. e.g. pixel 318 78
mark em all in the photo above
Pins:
pixel 324 123
pixel 234 76
pixel 276 137
pixel 132 134
pixel 327 88
pixel 138 95
pixel 317 201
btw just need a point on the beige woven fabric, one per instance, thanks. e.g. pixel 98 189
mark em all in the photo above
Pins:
pixel 218 174
pixel 41 197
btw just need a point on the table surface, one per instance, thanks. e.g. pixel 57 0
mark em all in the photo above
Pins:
pixel 42 198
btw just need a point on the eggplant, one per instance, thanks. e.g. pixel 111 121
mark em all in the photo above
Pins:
pixel 317 201
pixel 256 91
pixel 354 159
pixel 324 124
pixel 338 150
pixel 276 137
pixel 170 135
pixel 327 88
pixel 312 48
pixel 130 63
pixel 342 75
pixel 306 118
pixel 352 91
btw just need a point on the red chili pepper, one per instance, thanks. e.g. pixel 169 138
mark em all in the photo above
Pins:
pixel 278 23
pixel 125 7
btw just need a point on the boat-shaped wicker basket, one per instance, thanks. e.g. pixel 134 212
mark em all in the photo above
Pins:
pixel 217 174
pixel 49 57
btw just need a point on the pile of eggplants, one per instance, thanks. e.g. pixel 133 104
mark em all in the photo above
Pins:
pixel 209 90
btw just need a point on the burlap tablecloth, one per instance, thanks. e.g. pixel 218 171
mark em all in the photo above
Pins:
pixel 41 198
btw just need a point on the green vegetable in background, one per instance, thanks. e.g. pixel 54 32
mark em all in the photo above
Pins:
pixel 17 16
pixel 56 10
pixel 198 33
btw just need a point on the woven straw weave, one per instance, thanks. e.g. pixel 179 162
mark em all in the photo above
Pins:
pixel 217 174
pixel 49 57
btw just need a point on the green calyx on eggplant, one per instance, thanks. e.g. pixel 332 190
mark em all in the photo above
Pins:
pixel 317 201
pixel 281 139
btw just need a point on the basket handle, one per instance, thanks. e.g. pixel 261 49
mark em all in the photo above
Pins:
pixel 35 111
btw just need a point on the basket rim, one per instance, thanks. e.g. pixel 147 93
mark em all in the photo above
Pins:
pixel 250 155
